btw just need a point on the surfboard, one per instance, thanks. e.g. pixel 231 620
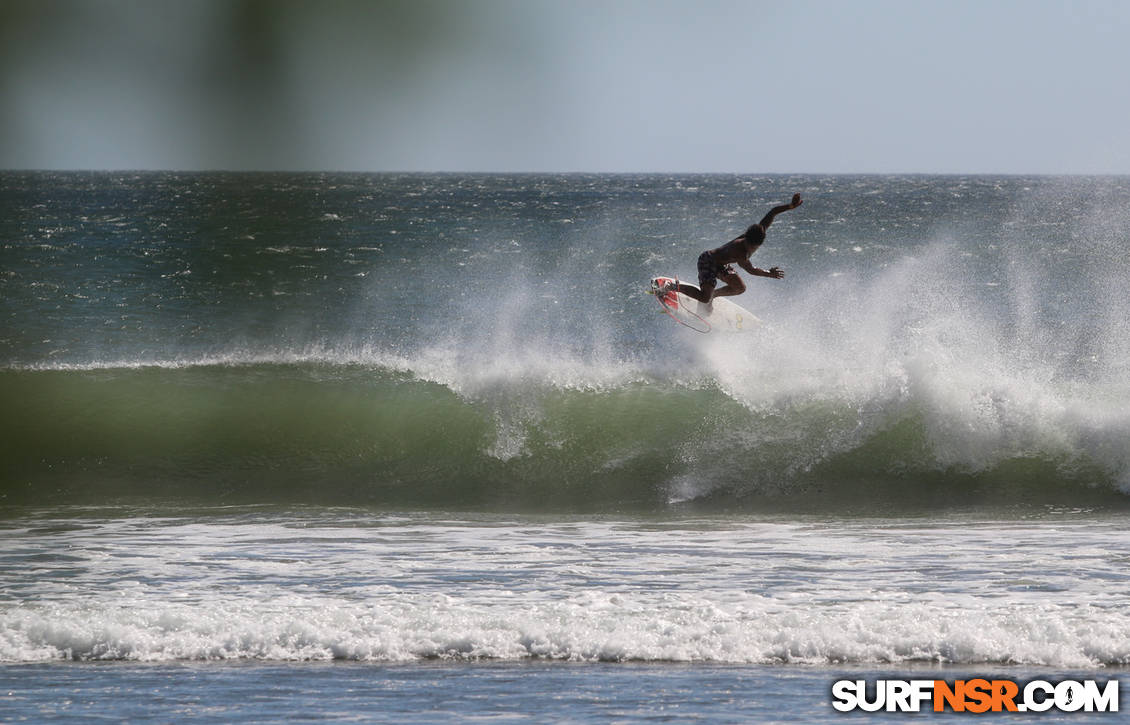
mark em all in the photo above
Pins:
pixel 721 315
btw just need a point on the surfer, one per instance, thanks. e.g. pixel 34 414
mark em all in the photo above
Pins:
pixel 714 264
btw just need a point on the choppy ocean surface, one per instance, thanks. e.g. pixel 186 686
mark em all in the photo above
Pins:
pixel 419 447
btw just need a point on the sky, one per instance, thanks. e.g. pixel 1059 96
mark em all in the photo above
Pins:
pixel 667 86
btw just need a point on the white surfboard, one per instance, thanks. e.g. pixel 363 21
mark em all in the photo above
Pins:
pixel 721 315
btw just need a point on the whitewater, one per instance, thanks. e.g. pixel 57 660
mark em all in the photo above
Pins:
pixel 432 427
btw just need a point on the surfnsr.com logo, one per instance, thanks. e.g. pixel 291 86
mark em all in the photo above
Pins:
pixel 975 696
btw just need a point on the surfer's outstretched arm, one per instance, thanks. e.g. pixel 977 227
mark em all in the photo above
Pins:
pixel 778 209
pixel 774 272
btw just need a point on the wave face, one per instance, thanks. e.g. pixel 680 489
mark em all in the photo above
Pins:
pixel 484 341
pixel 556 438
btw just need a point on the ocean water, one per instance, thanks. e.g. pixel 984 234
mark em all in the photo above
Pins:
pixel 419 447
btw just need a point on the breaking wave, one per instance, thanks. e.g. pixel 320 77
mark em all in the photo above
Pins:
pixel 555 433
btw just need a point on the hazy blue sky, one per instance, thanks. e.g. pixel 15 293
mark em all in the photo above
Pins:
pixel 963 86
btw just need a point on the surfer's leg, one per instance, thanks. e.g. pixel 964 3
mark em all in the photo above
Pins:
pixel 707 279
pixel 703 295
pixel 734 284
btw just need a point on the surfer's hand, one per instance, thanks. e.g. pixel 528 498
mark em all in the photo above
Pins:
pixel 797 201
pixel 776 273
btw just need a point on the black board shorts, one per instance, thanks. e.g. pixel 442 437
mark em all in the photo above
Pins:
pixel 708 270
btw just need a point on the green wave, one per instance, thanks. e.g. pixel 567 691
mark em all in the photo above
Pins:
pixel 375 436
